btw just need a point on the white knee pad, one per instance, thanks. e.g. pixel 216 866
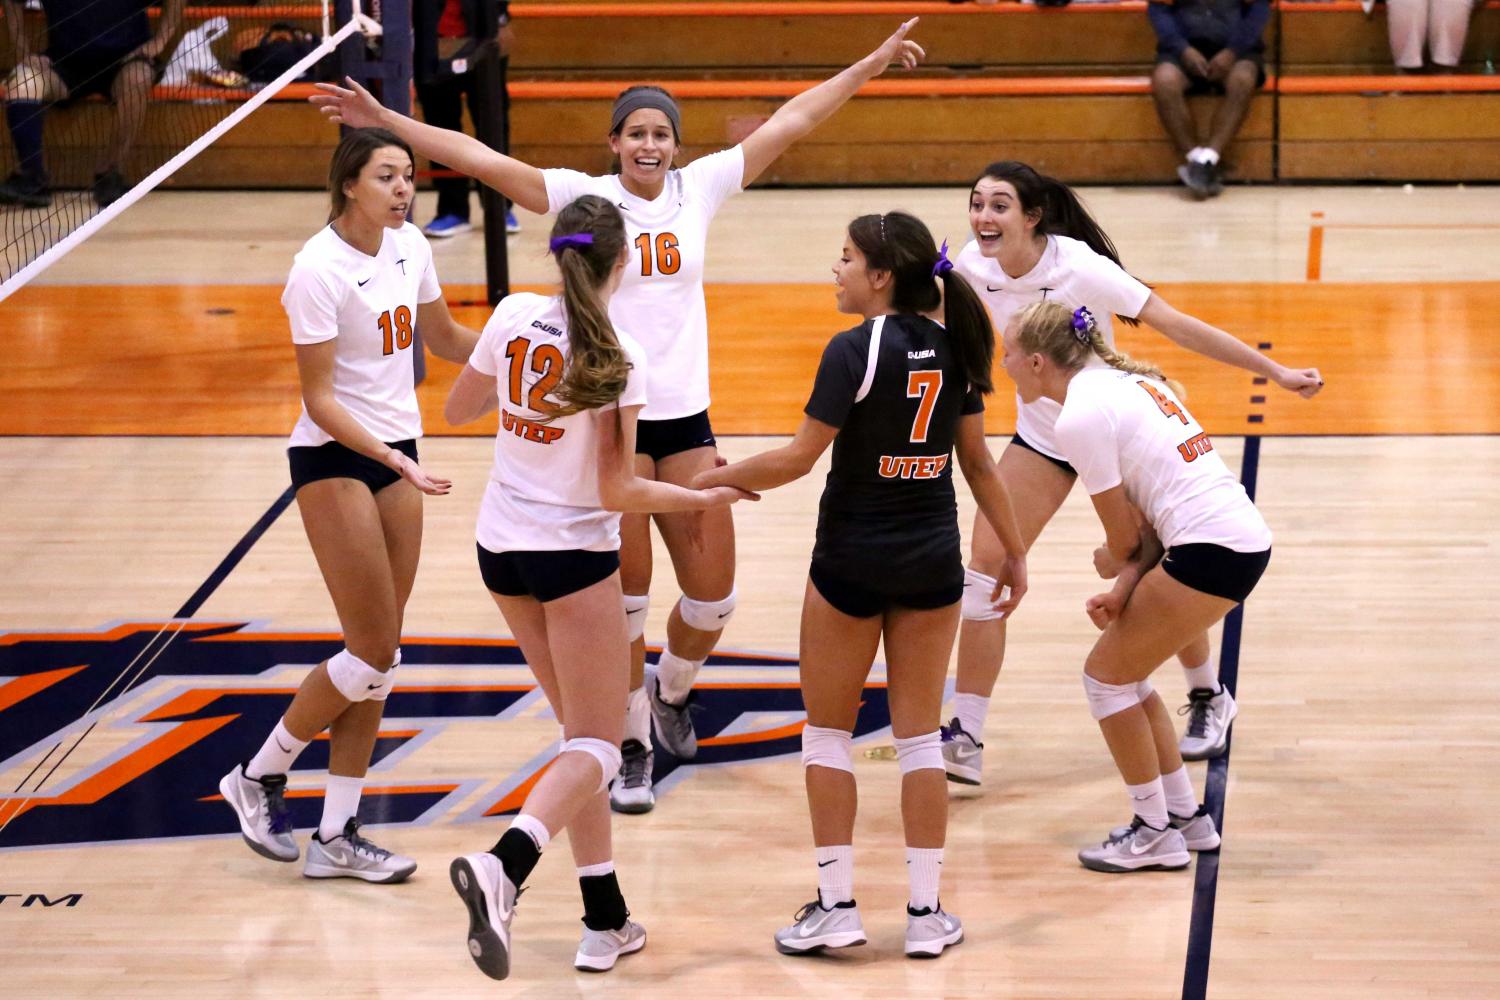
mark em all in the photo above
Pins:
pixel 356 680
pixel 976 606
pixel 1109 699
pixel 917 753
pixel 635 614
pixel 832 748
pixel 707 616
pixel 607 754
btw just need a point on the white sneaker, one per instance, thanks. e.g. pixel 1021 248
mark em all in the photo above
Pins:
pixel 1138 848
pixel 673 723
pixel 631 792
pixel 481 882
pixel 258 804
pixel 931 931
pixel 815 928
pixel 1209 716
pixel 350 855
pixel 598 950
pixel 1198 830
pixel 963 756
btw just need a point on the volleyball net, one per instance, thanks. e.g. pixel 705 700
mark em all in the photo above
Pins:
pixel 100 109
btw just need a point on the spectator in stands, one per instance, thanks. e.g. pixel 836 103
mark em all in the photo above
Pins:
pixel 450 35
pixel 1441 24
pixel 1206 46
pixel 101 47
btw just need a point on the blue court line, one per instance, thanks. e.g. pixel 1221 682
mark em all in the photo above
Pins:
pixel 1206 877
pixel 222 571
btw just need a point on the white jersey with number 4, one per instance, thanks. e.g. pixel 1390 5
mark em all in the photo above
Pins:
pixel 543 493
pixel 660 299
pixel 1119 428
pixel 1069 272
pixel 368 305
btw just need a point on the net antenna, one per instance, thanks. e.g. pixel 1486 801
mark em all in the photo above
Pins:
pixel 359 22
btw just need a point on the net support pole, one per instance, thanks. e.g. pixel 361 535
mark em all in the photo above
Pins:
pixel 492 127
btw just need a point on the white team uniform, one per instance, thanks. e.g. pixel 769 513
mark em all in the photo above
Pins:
pixel 1069 272
pixel 1116 427
pixel 369 306
pixel 543 493
pixel 660 298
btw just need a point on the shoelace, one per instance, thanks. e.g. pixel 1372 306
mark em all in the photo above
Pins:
pixel 1199 706
pixel 806 911
pixel 682 716
pixel 274 789
pixel 633 769
pixel 1126 832
pixel 359 845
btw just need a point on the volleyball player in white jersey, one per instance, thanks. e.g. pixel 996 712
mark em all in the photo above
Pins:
pixel 667 214
pixel 356 293
pixel 569 388
pixel 1034 241
pixel 1141 454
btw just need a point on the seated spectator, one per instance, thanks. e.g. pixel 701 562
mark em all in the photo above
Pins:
pixel 93 47
pixel 1441 24
pixel 1206 46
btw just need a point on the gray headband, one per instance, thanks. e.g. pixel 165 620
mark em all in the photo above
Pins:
pixel 635 100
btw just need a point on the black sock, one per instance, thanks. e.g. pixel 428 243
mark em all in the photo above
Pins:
pixel 603 905
pixel 25 121
pixel 518 854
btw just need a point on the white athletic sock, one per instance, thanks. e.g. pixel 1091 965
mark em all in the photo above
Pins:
pixel 277 754
pixel 1181 799
pixel 971 710
pixel 835 874
pixel 591 871
pixel 676 676
pixel 924 867
pixel 1204 675
pixel 533 828
pixel 340 805
pixel 1149 802
pixel 1203 154
pixel 638 717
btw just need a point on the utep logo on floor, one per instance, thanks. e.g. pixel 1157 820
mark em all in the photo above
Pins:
pixel 165 746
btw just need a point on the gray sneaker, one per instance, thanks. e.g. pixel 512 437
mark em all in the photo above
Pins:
pixel 1198 830
pixel 350 855
pixel 258 804
pixel 673 723
pixel 929 932
pixel 490 895
pixel 631 792
pixel 598 950
pixel 815 928
pixel 1138 847
pixel 963 756
pixel 1209 716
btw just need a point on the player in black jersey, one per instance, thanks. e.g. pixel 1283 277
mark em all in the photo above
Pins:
pixel 894 396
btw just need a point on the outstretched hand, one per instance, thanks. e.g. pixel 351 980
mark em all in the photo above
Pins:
pixel 1305 382
pixel 899 49
pixel 352 105
pixel 420 478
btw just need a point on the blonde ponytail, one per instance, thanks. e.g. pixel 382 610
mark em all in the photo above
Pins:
pixel 1067 337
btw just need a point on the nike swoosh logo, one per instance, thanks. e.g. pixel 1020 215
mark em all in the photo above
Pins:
pixel 825 864
pixel 726 614
pixel 989 289
pixel 1136 849
pixel 283 749
pixel 363 283
pixel 372 687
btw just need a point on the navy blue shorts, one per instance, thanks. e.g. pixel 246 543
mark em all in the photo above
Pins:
pixel 544 575
pixel 662 438
pixel 1213 569
pixel 1021 442
pixel 334 461
pixel 860 601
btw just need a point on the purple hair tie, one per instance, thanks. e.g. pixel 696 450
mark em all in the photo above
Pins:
pixel 576 240
pixel 1083 324
pixel 943 265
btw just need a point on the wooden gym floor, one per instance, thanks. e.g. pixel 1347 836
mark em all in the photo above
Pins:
pixel 146 540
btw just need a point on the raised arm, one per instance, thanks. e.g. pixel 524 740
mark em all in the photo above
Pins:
pixel 1211 342
pixel 778 466
pixel 622 490
pixel 809 109
pixel 356 107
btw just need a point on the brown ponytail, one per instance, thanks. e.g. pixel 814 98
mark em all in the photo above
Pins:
pixel 1067 337
pixel 597 366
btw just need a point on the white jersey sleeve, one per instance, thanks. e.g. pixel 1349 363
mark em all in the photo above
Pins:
pixel 635 383
pixel 717 177
pixel 311 300
pixel 1088 434
pixel 1103 285
pixel 489 351
pixel 566 186
pixel 429 289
